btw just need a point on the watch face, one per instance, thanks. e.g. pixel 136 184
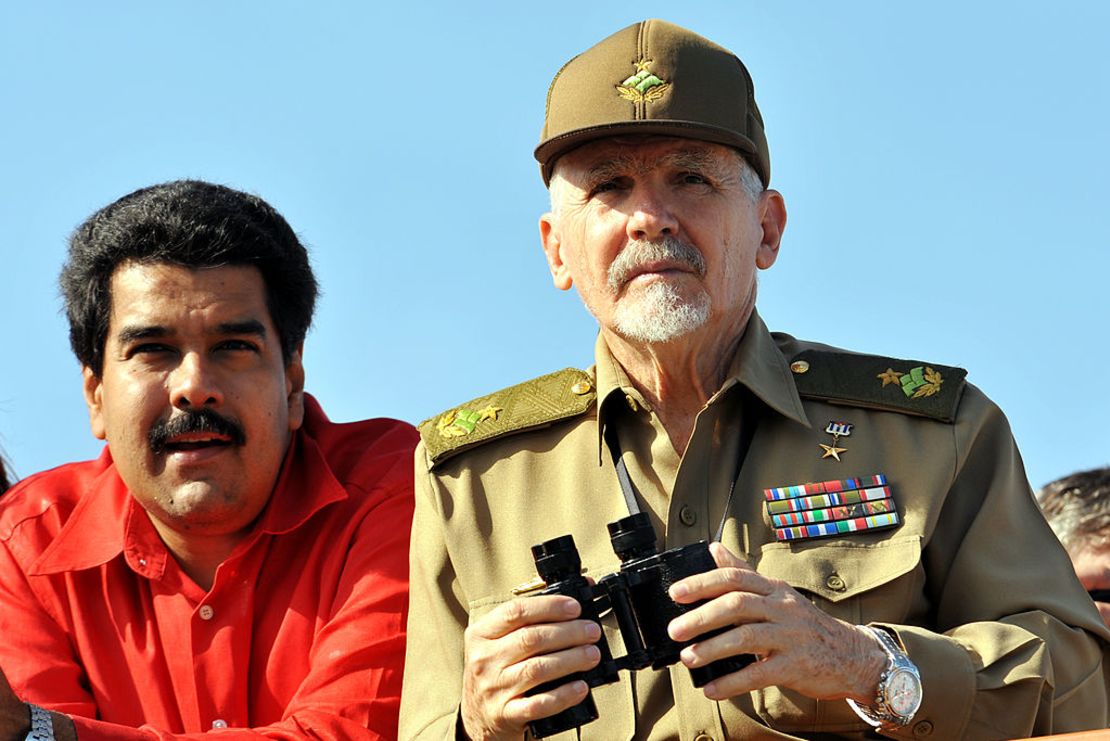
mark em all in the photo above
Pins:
pixel 903 695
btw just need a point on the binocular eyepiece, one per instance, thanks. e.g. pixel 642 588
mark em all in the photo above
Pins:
pixel 638 596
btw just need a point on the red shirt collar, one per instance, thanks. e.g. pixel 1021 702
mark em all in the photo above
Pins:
pixel 108 521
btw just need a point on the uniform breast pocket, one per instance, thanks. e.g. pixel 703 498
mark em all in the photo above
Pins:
pixel 856 581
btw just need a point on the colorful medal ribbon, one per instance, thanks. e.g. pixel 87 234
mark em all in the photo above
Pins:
pixel 831 508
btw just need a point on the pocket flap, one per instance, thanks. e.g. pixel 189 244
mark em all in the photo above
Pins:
pixel 837 570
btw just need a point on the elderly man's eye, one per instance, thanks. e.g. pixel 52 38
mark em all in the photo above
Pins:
pixel 606 187
pixel 693 178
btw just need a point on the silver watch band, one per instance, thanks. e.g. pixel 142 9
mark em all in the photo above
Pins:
pixel 42 725
pixel 879 713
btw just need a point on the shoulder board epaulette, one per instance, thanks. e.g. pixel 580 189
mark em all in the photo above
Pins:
pixel 907 386
pixel 535 403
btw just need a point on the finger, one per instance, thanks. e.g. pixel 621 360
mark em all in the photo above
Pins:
pixel 710 584
pixel 755 638
pixel 729 609
pixel 521 710
pixel 550 668
pixel 536 640
pixel 755 676
pixel 517 613
pixel 732 572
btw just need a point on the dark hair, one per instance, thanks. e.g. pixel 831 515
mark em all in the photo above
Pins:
pixel 5 482
pixel 193 224
pixel 1078 508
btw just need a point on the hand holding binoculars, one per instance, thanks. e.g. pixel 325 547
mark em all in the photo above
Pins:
pixel 638 596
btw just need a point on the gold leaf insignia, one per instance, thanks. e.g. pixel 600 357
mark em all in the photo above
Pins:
pixel 655 93
pixel 630 94
pixel 932 384
pixel 446 426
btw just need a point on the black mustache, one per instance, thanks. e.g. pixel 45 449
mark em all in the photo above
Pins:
pixel 194 420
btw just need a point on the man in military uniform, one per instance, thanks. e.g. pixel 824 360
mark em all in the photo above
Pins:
pixel 877 543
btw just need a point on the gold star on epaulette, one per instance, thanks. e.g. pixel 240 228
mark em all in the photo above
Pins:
pixel 891 376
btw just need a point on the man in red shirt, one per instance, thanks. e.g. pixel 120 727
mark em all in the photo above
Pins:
pixel 233 560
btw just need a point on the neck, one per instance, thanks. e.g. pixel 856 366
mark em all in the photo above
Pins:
pixel 198 555
pixel 678 377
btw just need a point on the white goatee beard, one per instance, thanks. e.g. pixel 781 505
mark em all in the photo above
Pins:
pixel 659 313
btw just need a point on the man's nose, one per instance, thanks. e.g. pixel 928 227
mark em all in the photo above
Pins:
pixel 651 216
pixel 193 384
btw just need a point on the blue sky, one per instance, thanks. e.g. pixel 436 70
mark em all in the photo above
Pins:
pixel 944 166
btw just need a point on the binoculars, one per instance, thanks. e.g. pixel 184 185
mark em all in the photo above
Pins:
pixel 637 595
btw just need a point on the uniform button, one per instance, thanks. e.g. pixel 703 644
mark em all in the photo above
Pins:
pixel 703 737
pixel 687 515
pixel 219 723
pixel 206 612
pixel 835 583
pixel 799 366
pixel 581 388
pixel 631 403
pixel 922 728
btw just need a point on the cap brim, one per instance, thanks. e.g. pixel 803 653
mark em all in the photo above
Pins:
pixel 549 152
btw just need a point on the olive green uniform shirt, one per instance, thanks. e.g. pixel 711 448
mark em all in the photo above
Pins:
pixel 972 581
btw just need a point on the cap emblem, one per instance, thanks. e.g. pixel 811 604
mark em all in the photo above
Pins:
pixel 643 86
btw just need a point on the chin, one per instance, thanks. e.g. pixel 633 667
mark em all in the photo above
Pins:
pixel 660 315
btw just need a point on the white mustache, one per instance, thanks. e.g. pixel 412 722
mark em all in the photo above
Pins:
pixel 641 252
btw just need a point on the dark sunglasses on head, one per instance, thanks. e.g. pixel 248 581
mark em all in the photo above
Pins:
pixel 1099 595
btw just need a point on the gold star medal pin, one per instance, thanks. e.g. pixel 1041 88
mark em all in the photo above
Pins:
pixel 837 430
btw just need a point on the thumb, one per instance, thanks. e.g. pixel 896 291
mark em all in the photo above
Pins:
pixel 726 558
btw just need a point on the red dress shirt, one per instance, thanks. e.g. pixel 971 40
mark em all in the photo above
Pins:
pixel 301 636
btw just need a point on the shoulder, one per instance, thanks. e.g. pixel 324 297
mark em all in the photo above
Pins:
pixel 46 500
pixel 361 449
pixel 536 403
pixel 915 387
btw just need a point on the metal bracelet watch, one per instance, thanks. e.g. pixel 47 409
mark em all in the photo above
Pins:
pixel 899 694
pixel 42 725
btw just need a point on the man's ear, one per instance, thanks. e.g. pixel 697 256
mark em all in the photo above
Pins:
pixel 772 218
pixel 553 250
pixel 294 388
pixel 93 390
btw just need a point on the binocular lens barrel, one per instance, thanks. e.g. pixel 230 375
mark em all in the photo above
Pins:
pixel 632 537
pixel 557 559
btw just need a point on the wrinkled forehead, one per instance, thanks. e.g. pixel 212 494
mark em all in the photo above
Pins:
pixel 638 155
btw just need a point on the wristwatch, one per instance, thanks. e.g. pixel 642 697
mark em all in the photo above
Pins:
pixel 899 693
pixel 42 725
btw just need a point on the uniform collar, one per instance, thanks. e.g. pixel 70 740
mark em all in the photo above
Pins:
pixel 108 521
pixel 759 365
pixel 756 364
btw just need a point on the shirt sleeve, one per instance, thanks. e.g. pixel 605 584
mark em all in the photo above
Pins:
pixel 1018 649
pixel 437 620
pixel 36 650
pixel 352 689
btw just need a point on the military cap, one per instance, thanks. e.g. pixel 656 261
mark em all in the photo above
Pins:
pixel 653 78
